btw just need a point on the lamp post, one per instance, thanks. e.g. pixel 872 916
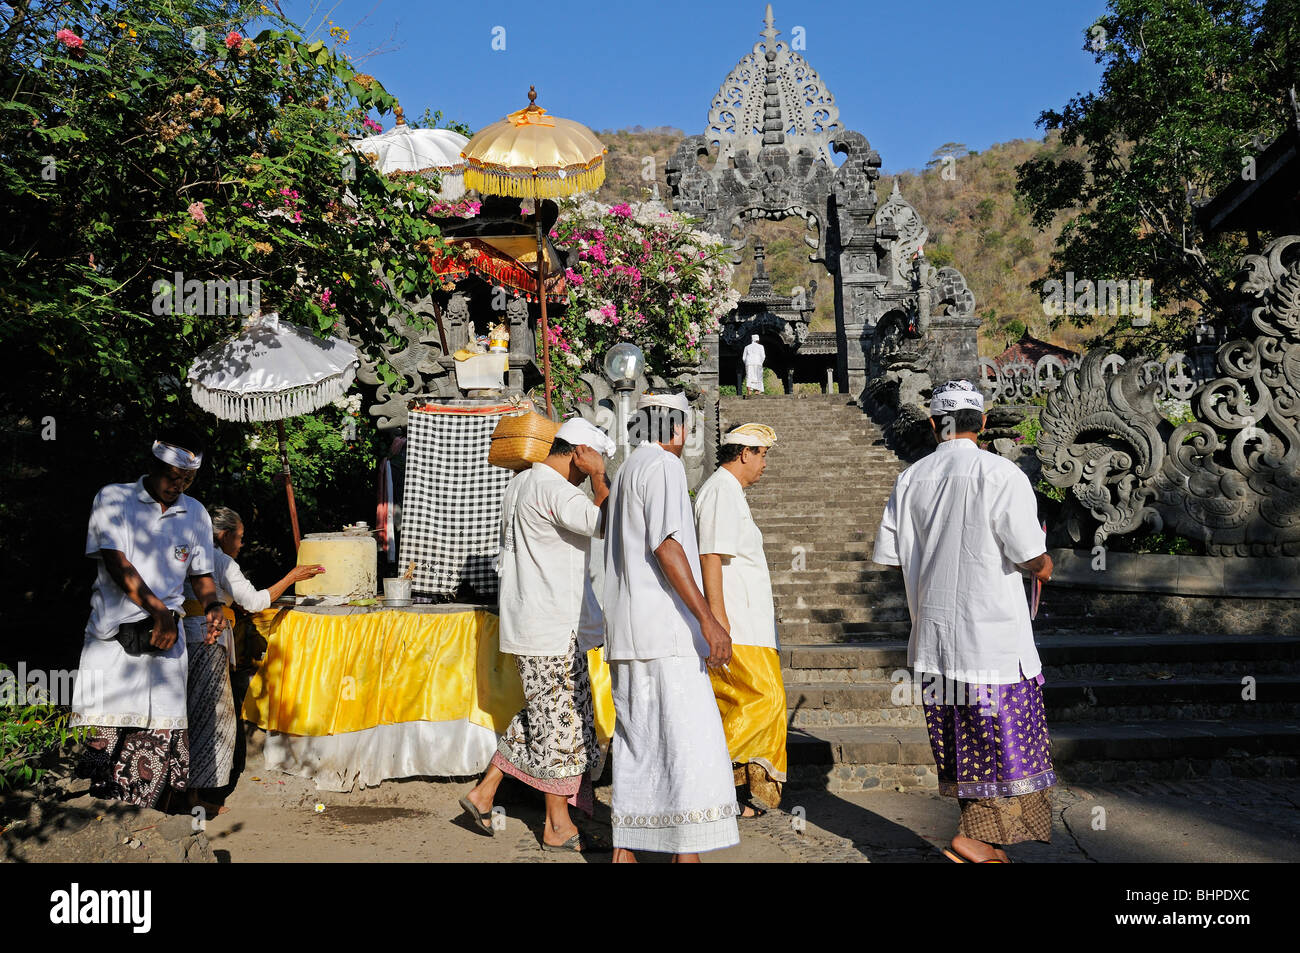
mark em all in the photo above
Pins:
pixel 623 365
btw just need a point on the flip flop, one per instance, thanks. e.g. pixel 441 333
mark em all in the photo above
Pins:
pixel 571 846
pixel 956 858
pixel 480 821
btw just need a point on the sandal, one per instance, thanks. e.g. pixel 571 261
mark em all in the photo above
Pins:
pixel 481 821
pixel 571 846
pixel 751 806
pixel 956 858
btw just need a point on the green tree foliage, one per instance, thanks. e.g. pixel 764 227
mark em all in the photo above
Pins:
pixel 1190 89
pixel 145 139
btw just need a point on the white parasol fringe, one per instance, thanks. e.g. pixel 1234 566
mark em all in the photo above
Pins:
pixel 259 407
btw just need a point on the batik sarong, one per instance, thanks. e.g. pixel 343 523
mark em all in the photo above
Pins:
pixel 673 790
pixel 751 699
pixel 550 744
pixel 135 765
pixel 211 711
pixel 992 751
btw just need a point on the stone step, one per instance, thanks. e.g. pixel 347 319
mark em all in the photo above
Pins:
pixel 874 702
pixel 1071 741
pixel 814 559
pixel 815 591
pixel 887 609
pixel 816 633
pixel 871 574
pixel 1149 651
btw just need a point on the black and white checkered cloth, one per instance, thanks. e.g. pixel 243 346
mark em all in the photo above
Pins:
pixel 451 504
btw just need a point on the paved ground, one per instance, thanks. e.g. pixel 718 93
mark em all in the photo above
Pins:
pixel 274 817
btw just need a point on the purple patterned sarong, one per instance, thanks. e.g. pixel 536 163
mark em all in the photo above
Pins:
pixel 988 740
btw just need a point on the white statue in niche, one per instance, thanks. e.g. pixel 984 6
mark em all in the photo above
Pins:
pixel 753 357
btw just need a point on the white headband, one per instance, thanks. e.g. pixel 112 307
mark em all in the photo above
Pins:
pixel 750 435
pixel 676 402
pixel 177 456
pixel 583 433
pixel 956 395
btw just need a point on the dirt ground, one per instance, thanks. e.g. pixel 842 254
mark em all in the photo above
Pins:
pixel 275 817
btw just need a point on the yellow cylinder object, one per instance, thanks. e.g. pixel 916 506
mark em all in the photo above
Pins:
pixel 350 565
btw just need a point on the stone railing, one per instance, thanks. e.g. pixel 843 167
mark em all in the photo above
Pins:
pixel 1016 382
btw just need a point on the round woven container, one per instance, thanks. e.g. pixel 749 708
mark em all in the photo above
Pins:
pixel 520 440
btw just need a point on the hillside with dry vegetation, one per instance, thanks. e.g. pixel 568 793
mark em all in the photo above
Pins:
pixel 969 203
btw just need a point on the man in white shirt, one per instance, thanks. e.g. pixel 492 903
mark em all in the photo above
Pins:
pixel 751 690
pixel 962 525
pixel 147 537
pixel 549 618
pixel 673 789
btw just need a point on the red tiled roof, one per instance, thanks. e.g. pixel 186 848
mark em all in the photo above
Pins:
pixel 1030 349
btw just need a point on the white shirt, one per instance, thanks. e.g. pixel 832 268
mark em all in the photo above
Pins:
pixel 232 586
pixel 147 691
pixel 727 528
pixel 545 596
pixel 754 353
pixel 957 523
pixel 644 616
pixel 164 547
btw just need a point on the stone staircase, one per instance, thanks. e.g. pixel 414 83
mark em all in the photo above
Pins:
pixel 1122 703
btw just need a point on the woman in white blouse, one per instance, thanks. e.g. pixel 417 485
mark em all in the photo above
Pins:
pixel 210 703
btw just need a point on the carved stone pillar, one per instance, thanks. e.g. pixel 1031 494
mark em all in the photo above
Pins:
pixel 953 348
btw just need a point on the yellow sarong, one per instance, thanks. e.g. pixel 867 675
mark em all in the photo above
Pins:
pixel 751 700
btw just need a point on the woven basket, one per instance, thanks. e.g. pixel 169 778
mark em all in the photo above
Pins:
pixel 520 440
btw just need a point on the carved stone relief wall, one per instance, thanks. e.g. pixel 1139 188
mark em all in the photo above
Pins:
pixel 1231 476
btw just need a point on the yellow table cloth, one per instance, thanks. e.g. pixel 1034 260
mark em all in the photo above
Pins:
pixel 400 691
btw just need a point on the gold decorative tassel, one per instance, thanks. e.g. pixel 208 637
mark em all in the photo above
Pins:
pixel 547 185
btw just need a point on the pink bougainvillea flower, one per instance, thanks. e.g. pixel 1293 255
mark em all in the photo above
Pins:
pixel 370 124
pixel 233 39
pixel 69 39
pixel 198 213
pixel 621 211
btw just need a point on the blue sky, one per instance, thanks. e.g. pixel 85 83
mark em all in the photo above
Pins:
pixel 910 76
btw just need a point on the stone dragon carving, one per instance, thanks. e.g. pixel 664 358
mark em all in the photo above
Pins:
pixel 1231 476
pixel 415 361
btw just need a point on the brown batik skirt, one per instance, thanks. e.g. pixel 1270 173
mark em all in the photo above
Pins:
pixel 136 765
pixel 550 744
pixel 1007 820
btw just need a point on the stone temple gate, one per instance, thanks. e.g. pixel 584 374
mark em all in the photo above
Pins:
pixel 774 131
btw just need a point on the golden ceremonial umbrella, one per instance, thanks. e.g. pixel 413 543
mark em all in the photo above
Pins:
pixel 531 155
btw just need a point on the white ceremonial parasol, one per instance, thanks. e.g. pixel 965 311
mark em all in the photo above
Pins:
pixel 406 151
pixel 271 370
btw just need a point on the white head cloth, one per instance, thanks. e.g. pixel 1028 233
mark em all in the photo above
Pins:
pixel 583 433
pixel 676 401
pixel 956 395
pixel 177 456
pixel 754 338
pixel 750 435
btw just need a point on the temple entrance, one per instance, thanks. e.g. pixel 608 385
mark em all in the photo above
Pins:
pixel 773 142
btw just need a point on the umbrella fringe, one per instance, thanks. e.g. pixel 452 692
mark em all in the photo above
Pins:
pixel 546 185
pixel 255 408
